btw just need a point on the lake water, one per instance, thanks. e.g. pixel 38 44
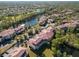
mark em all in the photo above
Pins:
pixel 31 22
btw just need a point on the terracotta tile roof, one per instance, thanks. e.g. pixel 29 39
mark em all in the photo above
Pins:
pixel 65 21
pixel 42 19
pixel 50 20
pixel 45 34
pixel 7 32
pixel 56 15
pixel 70 24
pixel 20 28
pixel 17 52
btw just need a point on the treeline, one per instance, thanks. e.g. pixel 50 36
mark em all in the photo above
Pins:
pixel 70 39
pixel 8 21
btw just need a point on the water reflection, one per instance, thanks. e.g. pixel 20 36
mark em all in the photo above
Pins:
pixel 31 22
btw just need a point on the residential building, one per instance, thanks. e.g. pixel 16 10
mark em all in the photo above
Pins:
pixel 43 37
pixel 6 34
pixel 20 29
pixel 16 52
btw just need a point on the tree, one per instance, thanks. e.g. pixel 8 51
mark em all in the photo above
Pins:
pixel 64 54
pixel 59 54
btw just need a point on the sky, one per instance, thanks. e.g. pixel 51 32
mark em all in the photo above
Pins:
pixel 39 0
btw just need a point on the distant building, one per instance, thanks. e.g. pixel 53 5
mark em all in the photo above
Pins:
pixel 65 25
pixel 42 20
pixel 20 29
pixel 16 52
pixel 67 11
pixel 56 15
pixel 43 37
pixel 64 21
pixel 50 20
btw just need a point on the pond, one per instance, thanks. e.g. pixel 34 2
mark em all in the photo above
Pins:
pixel 31 22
